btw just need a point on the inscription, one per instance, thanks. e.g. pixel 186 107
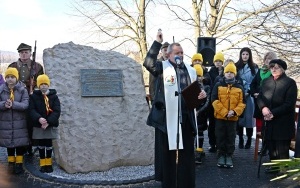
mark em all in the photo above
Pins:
pixel 101 82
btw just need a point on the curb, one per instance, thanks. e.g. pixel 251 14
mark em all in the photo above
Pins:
pixel 35 172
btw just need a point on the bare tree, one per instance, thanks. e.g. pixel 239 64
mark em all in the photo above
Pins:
pixel 261 25
pixel 116 23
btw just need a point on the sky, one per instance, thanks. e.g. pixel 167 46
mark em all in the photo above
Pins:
pixel 24 21
pixel 50 22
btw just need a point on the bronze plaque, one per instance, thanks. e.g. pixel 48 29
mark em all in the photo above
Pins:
pixel 101 82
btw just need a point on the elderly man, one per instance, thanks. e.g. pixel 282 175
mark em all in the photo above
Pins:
pixel 181 172
pixel 28 73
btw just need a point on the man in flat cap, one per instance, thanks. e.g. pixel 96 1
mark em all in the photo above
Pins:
pixel 28 70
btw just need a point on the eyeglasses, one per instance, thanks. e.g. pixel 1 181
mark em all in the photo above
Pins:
pixel 274 68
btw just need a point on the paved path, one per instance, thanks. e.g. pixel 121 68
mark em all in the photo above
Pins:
pixel 208 175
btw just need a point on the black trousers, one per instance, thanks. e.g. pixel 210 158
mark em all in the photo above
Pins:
pixel 225 136
pixel 17 151
pixel 185 176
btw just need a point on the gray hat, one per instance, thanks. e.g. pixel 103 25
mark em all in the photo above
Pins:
pixel 23 46
pixel 279 62
pixel 165 45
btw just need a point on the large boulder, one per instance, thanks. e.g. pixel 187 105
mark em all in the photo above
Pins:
pixel 98 133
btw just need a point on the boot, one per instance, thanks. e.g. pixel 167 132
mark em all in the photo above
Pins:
pixel 48 166
pixel 18 169
pixel 241 142
pixel 248 143
pixel 43 165
pixel 11 164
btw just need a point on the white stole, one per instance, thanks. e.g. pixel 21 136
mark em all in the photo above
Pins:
pixel 170 87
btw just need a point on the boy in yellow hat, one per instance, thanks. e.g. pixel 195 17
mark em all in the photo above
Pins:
pixel 44 110
pixel 228 102
pixel 202 115
pixel 13 127
pixel 197 59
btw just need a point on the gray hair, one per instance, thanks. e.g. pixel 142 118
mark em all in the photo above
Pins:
pixel 170 47
pixel 270 55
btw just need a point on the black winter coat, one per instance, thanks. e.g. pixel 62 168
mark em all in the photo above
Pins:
pixel 37 108
pixel 280 97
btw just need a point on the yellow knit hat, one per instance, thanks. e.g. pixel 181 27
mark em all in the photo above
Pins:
pixel 230 68
pixel 197 57
pixel 42 79
pixel 12 71
pixel 219 56
pixel 199 70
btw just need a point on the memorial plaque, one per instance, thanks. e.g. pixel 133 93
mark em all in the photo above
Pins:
pixel 101 82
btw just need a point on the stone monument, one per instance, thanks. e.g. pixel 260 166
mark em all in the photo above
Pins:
pixel 104 109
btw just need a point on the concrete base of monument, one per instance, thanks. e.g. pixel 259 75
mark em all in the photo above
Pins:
pixel 117 177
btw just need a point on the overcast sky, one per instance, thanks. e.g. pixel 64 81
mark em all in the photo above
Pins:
pixel 46 21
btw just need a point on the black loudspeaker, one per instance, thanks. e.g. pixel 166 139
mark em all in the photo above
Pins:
pixel 206 46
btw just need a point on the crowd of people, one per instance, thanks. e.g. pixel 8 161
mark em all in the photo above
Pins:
pixel 234 95
pixel 29 112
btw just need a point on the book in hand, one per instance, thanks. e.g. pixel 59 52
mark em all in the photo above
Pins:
pixel 190 95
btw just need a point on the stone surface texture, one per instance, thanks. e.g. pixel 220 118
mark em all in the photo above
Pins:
pixel 98 133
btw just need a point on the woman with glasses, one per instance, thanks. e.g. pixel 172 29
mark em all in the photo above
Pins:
pixel 276 101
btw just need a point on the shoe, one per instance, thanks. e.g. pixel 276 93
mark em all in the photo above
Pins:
pixel 248 143
pixel 272 170
pixel 48 169
pixel 18 168
pixel 264 153
pixel 43 169
pixel 241 143
pixel 212 149
pixel 229 163
pixel 198 157
pixel 221 161
pixel 10 167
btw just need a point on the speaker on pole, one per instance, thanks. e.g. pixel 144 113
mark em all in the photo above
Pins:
pixel 206 46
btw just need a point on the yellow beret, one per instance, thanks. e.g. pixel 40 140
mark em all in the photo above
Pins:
pixel 230 68
pixel 197 57
pixel 12 71
pixel 42 79
pixel 199 70
pixel 219 56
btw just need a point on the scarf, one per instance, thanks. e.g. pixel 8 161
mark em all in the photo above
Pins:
pixel 12 96
pixel 264 74
pixel 48 109
pixel 170 87
pixel 230 81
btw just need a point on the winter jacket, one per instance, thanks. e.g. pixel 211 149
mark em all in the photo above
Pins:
pixel 226 97
pixel 37 109
pixel 13 126
pixel 280 97
pixel 255 87
pixel 155 68
pixel 202 110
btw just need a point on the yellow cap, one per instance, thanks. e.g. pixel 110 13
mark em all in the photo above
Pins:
pixel 12 71
pixel 42 79
pixel 219 56
pixel 230 68
pixel 197 56
pixel 199 69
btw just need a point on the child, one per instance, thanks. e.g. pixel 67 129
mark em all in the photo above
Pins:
pixel 197 59
pixel 44 110
pixel 214 72
pixel 13 128
pixel 227 100
pixel 202 115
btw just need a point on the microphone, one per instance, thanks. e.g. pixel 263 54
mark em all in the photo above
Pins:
pixel 177 60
